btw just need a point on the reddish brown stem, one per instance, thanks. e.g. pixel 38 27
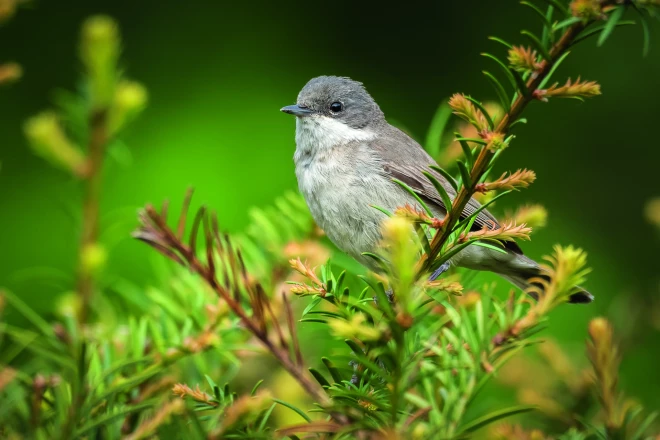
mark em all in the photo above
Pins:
pixel 486 155
pixel 90 214
pixel 281 354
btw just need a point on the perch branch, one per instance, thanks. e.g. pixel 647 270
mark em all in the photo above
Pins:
pixel 482 162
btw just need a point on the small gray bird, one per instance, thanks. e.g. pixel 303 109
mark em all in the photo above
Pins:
pixel 346 157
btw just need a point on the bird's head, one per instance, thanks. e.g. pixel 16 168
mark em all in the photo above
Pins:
pixel 338 99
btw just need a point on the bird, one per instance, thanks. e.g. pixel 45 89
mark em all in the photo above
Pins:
pixel 346 159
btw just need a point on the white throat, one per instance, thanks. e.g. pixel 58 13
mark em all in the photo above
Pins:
pixel 320 134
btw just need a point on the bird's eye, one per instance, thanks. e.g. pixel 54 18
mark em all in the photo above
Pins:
pixel 336 107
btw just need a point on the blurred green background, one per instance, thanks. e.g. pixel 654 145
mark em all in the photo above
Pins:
pixel 217 75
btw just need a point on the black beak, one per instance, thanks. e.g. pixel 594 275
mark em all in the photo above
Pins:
pixel 296 110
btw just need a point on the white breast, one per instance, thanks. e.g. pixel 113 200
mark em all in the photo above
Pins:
pixel 341 178
pixel 321 134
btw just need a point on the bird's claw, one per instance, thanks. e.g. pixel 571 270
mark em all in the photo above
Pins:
pixel 390 297
pixel 439 271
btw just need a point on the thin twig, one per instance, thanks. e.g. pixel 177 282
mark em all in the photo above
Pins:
pixel 292 329
pixel 90 215
pixel 486 155
pixel 175 243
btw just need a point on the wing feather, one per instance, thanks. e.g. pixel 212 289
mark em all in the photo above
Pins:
pixel 406 160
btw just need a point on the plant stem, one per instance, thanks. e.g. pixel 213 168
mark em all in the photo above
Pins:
pixel 485 156
pixel 90 229
pixel 294 369
pixel 90 215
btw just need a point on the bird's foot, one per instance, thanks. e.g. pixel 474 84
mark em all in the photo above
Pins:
pixel 390 297
pixel 439 271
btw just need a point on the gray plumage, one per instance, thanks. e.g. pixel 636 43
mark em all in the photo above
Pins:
pixel 346 157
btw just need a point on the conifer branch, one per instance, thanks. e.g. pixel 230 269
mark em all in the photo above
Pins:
pixel 483 160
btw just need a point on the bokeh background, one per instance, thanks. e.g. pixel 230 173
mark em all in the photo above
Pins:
pixel 217 75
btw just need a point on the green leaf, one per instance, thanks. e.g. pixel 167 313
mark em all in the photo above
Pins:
pixel 354 347
pixel 367 363
pixel 464 221
pixel 316 320
pixel 547 24
pixel 518 121
pixel 300 412
pixel 118 367
pixel 505 69
pixel 481 107
pixel 534 40
pixel 383 210
pixel 416 400
pixel 475 140
pixel 264 418
pixel 120 153
pixel 494 416
pixel 212 384
pixel 502 359
pixel 501 41
pixel 505 101
pixel 639 433
pixel 327 314
pixel 467 153
pixel 480 320
pixel 334 372
pixel 116 414
pixel 30 341
pixel 465 174
pixel 319 378
pixel 566 23
pixel 595 30
pixel 557 4
pixel 340 281
pixel 313 303
pixel 614 18
pixel 521 85
pixel 437 128
pixel 422 233
pixel 129 383
pixel 552 69
pixel 446 175
pixel 446 200
pixel 490 246
pixel 647 35
pixel 548 35
pixel 194 422
pixel 256 387
pixel 25 310
pixel 378 259
pixel 415 195
pixel 447 256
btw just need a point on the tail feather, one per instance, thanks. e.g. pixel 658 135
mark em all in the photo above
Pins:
pixel 523 282
pixel 515 267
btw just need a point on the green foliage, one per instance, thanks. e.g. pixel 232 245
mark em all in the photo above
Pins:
pixel 414 355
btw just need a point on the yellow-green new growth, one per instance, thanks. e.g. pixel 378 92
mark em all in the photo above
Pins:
pixel 129 100
pixel 355 328
pixel 577 89
pixel 48 140
pixel 99 52
pixel 586 9
pixel 562 276
pixel 401 250
pixel 523 59
pixel 465 109
pixel 604 357
pixel 534 216
pixel 519 179
pixel 10 72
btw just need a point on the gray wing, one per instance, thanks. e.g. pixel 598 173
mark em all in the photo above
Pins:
pixel 405 159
